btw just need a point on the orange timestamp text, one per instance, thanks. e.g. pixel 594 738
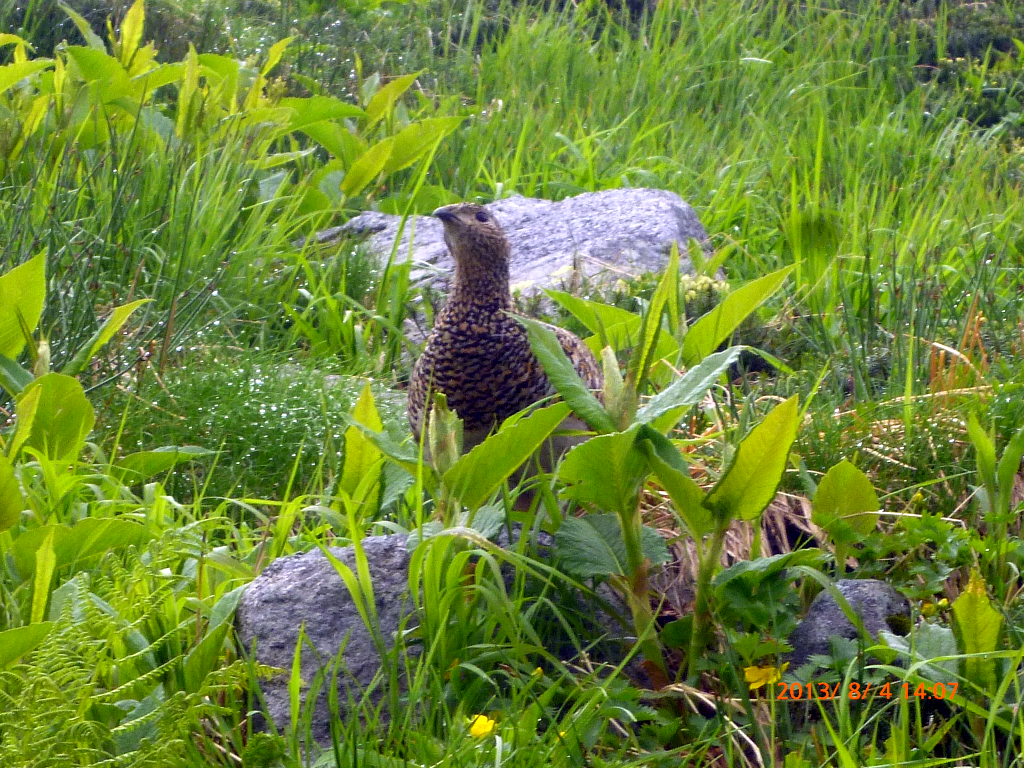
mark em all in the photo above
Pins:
pixel 858 691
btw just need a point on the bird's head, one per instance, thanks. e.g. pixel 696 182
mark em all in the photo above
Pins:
pixel 475 239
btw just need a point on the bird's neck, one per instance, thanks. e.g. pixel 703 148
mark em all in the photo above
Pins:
pixel 482 285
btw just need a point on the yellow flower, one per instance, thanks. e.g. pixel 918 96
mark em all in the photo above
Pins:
pixel 929 608
pixel 758 677
pixel 482 726
pixel 538 672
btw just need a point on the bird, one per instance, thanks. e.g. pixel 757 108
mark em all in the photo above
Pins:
pixel 478 355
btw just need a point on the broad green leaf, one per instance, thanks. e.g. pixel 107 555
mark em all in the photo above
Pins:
pixel 46 563
pixel 488 520
pixel 165 74
pixel 25 410
pixel 762 568
pixel 90 537
pixel 13 378
pixel 63 416
pixel 367 167
pixel 416 139
pixel 717 325
pixel 845 495
pixel 690 388
pixel 336 139
pixel 687 497
pixel 666 450
pixel 606 471
pixel 1009 466
pixel 12 503
pixel 22 291
pixel 477 474
pixel 274 55
pixel 315 109
pixel 930 641
pixel 105 333
pixel 202 659
pixel 91 38
pixel 12 74
pixel 9 39
pixel 385 98
pixel 404 455
pixel 156 123
pixel 224 609
pixel 15 643
pixel 615 326
pixel 650 327
pixel 592 545
pixel 620 401
pixel 131 32
pixel 445 434
pixel 222 68
pixel 979 625
pixel 96 66
pixel 188 85
pixel 361 455
pixel 313 201
pixel 749 484
pixel 136 467
pixel 677 634
pixel 563 377
pixel 751 589
pixel 985 450
pixel 143 61
pixel 613 381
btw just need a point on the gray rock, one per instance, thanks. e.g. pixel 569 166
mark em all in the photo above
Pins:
pixel 875 602
pixel 306 589
pixel 602 235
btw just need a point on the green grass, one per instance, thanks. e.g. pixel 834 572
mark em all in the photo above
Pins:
pixel 837 138
pixel 277 422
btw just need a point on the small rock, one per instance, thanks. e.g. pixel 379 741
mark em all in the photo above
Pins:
pixel 874 601
pixel 603 235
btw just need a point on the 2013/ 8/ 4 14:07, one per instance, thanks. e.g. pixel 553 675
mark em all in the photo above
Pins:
pixel 856 691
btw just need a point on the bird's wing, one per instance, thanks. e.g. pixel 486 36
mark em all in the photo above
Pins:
pixel 582 358
pixel 418 385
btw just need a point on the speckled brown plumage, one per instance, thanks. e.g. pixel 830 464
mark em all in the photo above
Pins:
pixel 478 355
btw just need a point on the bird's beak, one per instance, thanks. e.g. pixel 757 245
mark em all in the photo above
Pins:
pixel 445 214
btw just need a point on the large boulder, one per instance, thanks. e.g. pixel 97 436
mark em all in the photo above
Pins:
pixel 610 234
pixel 306 591
pixel 878 605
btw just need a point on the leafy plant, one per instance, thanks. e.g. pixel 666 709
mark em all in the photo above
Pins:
pixel 845 506
pixel 995 491
pixel 610 470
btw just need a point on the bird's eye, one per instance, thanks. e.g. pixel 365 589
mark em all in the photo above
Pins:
pixel 481 216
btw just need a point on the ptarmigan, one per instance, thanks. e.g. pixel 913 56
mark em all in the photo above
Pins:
pixel 478 355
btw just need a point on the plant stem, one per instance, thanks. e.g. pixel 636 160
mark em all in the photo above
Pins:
pixel 638 596
pixel 702 618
